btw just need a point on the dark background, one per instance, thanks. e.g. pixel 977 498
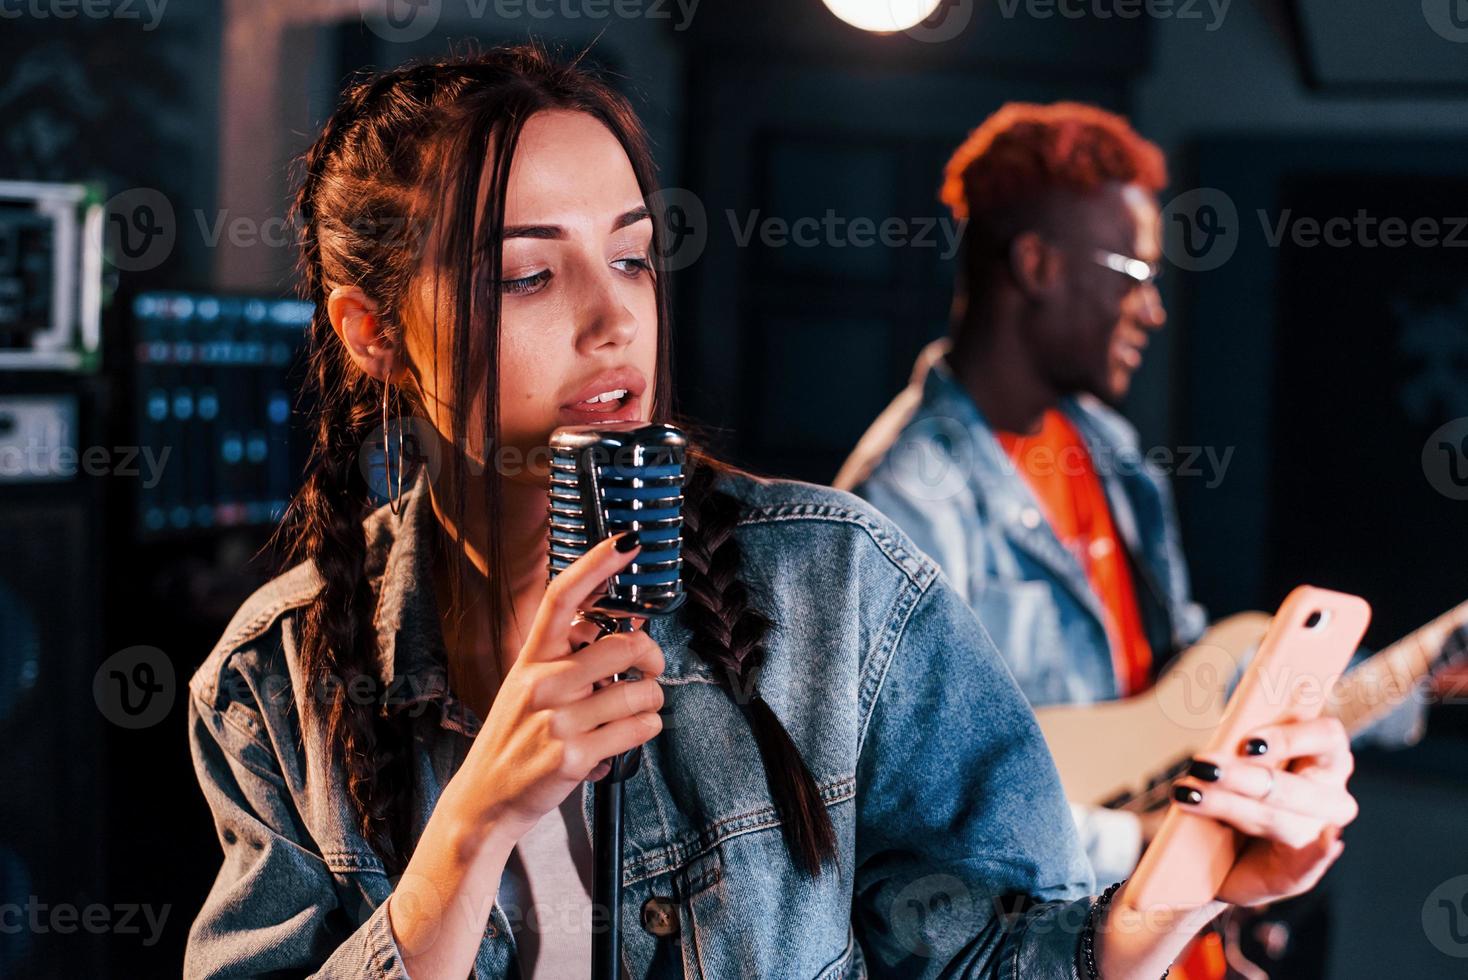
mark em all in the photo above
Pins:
pixel 1295 359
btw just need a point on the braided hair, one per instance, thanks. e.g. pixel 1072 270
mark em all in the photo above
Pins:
pixel 403 152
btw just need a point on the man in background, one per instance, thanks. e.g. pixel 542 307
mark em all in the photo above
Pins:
pixel 1004 458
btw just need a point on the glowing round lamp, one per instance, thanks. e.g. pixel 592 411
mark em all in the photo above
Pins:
pixel 883 16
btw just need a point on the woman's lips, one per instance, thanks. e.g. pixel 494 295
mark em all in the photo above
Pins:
pixel 625 409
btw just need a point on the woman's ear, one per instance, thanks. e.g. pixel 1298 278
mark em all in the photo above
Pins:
pixel 354 318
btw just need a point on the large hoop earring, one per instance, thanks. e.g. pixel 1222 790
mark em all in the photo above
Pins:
pixel 393 500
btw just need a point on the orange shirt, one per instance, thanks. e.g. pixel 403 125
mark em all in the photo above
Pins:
pixel 1058 468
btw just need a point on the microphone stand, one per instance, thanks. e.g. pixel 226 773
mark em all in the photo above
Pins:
pixel 606 841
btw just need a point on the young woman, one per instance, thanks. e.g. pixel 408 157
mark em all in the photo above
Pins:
pixel 838 774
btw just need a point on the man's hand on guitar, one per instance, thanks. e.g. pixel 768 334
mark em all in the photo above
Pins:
pixel 1294 813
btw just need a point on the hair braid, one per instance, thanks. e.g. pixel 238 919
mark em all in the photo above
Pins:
pixel 729 635
pixel 337 644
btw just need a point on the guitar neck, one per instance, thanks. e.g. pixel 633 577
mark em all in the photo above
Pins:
pixel 1387 679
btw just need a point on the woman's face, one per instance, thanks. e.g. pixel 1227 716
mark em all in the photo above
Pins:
pixel 578 320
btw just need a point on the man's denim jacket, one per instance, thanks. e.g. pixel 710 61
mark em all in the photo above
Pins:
pixel 956 854
pixel 931 463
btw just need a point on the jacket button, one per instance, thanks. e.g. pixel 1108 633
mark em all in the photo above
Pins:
pixel 660 916
pixel 1030 518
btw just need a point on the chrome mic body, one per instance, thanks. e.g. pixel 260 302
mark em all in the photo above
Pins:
pixel 617 477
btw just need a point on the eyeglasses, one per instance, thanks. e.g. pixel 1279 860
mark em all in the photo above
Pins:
pixel 1142 273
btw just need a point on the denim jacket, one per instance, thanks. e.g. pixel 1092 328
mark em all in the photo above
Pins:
pixel 956 855
pixel 932 464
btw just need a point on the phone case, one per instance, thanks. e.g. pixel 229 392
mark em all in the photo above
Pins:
pixel 1308 646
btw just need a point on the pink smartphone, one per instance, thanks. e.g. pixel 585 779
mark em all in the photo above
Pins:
pixel 1308 645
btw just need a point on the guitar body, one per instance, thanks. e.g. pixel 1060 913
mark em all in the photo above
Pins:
pixel 1104 751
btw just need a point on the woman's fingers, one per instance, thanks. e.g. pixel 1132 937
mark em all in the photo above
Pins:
pixel 574 678
pixel 615 701
pixel 1328 803
pixel 616 653
pixel 614 738
pixel 1264 798
pixel 570 591
pixel 1248 815
pixel 1321 741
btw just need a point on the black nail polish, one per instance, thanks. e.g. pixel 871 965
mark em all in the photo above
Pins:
pixel 1256 746
pixel 1205 771
pixel 1186 794
pixel 629 541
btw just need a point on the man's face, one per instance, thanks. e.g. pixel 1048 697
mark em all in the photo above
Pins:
pixel 1100 322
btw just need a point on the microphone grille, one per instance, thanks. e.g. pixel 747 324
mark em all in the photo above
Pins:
pixel 616 477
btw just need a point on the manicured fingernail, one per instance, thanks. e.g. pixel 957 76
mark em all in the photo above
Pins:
pixel 1205 771
pixel 1256 746
pixel 629 541
pixel 1186 794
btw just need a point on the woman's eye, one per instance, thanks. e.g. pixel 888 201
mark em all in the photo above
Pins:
pixel 633 266
pixel 526 284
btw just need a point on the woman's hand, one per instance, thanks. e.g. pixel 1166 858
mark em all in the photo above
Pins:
pixel 1294 815
pixel 551 725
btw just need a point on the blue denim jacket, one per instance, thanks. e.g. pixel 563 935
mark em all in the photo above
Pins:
pixel 932 464
pixel 944 800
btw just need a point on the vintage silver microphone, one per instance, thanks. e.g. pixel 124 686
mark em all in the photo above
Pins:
pixel 607 479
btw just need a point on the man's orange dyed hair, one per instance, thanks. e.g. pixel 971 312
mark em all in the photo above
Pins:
pixel 1007 167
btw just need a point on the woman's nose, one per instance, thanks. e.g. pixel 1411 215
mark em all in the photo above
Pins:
pixel 606 319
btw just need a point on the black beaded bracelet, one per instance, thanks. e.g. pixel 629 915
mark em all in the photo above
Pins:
pixel 1088 935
